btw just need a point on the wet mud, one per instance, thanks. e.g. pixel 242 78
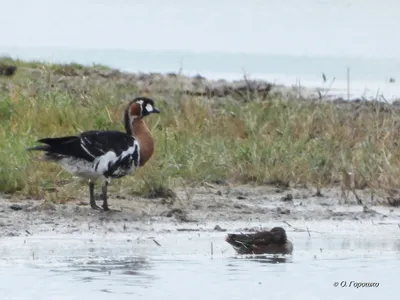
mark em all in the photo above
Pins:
pixel 198 209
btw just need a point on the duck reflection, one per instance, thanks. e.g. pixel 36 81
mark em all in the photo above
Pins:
pixel 266 259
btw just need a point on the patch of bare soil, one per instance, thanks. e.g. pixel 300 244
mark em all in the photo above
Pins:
pixel 209 203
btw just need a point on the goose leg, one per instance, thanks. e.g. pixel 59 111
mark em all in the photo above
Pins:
pixel 91 195
pixel 104 195
pixel 105 198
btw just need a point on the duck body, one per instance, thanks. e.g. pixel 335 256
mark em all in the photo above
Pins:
pixel 104 154
pixel 265 242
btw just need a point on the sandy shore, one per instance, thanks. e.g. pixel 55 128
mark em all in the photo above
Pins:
pixel 201 209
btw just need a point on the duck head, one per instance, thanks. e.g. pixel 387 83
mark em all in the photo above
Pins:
pixel 278 235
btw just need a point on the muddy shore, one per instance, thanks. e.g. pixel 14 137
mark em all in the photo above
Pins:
pixel 204 208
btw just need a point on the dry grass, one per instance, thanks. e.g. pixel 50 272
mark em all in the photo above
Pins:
pixel 197 139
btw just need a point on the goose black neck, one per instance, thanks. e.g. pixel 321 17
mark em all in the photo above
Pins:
pixel 127 123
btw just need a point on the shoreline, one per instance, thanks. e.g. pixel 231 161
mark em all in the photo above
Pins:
pixel 366 79
pixel 211 208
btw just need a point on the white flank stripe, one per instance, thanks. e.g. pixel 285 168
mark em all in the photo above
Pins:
pixel 110 157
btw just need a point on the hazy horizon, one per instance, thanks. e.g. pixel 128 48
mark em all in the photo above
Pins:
pixel 311 27
pixel 285 42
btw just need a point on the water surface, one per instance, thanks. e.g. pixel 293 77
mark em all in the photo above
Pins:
pixel 133 265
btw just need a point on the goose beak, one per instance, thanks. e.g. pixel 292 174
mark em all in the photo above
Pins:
pixel 155 111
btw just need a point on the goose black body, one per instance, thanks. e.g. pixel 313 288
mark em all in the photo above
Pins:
pixel 104 155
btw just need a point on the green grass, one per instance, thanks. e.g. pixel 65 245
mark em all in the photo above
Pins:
pixel 276 140
pixel 62 69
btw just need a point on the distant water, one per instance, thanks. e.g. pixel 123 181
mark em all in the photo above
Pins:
pixel 369 77
pixel 284 42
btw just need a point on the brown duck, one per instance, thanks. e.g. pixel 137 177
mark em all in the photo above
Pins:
pixel 265 242
pixel 104 155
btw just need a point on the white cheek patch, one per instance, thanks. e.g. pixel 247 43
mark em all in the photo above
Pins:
pixel 149 107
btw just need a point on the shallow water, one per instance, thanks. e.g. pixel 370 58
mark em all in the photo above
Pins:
pixel 122 266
